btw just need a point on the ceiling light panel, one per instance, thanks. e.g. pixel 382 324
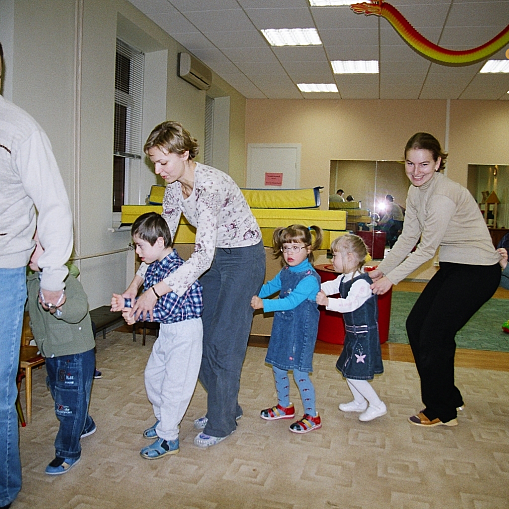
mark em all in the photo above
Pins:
pixel 330 3
pixel 317 87
pixel 495 66
pixel 292 37
pixel 355 66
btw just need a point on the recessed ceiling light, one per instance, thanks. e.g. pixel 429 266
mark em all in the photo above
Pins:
pixel 292 37
pixel 330 3
pixel 355 66
pixel 495 66
pixel 317 87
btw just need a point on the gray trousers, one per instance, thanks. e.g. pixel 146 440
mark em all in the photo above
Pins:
pixel 235 276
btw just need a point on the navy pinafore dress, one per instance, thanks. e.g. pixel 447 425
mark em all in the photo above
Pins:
pixel 293 336
pixel 361 357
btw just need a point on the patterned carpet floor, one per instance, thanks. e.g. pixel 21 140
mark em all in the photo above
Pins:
pixel 386 463
pixel 482 332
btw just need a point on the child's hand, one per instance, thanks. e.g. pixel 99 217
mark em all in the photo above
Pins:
pixel 322 299
pixel 256 302
pixel 503 260
pixel 117 302
pixel 126 315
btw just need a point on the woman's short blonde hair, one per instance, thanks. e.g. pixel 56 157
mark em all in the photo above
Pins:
pixel 172 138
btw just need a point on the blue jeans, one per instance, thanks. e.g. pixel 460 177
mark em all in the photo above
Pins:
pixel 14 294
pixel 70 382
pixel 235 276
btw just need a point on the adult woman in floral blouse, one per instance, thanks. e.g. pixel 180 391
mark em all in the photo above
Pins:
pixel 229 259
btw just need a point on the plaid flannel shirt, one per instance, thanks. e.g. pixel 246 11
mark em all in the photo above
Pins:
pixel 171 308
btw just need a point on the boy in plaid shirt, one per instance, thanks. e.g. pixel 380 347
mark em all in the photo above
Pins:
pixel 173 366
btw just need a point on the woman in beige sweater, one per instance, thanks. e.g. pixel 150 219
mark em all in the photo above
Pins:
pixel 441 214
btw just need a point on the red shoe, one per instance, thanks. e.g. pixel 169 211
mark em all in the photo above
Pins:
pixel 278 412
pixel 306 424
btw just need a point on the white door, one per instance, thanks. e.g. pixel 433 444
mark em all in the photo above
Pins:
pixel 273 166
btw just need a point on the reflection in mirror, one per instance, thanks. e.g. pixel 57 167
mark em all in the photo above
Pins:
pixel 368 182
pixel 483 180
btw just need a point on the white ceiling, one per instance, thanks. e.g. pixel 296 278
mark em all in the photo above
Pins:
pixel 225 35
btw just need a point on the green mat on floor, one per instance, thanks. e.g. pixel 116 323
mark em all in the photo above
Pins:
pixel 482 332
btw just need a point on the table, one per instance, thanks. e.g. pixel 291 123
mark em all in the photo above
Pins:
pixel 331 327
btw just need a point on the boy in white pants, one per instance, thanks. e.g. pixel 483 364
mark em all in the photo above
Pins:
pixel 172 369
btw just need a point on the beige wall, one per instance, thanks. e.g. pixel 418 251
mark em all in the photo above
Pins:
pixel 378 130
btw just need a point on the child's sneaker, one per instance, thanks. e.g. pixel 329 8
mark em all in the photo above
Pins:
pixel 373 412
pixel 278 412
pixel 160 448
pixel 90 429
pixel 353 406
pixel 306 424
pixel 61 465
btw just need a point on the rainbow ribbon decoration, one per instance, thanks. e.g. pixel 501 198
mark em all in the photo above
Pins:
pixel 426 47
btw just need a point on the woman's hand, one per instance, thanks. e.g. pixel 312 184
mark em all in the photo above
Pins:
pixel 503 260
pixel 322 299
pixel 256 302
pixel 133 288
pixel 144 306
pixel 376 274
pixel 381 286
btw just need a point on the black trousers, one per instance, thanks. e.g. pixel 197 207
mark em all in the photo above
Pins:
pixel 446 304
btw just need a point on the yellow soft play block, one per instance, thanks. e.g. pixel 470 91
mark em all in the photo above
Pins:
pixel 156 195
pixel 185 232
pixel 332 223
pixel 282 198
pixel 131 212
pixel 325 219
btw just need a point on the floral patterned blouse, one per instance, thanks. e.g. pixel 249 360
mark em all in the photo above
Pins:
pixel 221 215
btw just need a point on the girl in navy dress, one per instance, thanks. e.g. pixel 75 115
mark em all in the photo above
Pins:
pixel 295 325
pixel 361 357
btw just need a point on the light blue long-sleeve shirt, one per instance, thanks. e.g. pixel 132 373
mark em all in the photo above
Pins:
pixel 306 289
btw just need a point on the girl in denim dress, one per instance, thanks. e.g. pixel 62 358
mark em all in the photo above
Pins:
pixel 361 357
pixel 295 325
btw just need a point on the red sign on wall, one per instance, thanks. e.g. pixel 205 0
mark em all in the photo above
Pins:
pixel 273 179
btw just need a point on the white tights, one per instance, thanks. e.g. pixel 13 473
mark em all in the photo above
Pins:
pixel 362 390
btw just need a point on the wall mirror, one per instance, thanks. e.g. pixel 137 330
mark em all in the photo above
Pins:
pixel 369 181
pixel 485 179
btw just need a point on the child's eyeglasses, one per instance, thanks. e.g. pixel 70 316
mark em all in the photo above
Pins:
pixel 294 248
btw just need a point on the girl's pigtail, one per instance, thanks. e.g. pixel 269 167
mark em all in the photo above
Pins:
pixel 317 243
pixel 277 242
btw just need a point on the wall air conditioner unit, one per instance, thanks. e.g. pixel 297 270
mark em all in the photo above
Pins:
pixel 194 72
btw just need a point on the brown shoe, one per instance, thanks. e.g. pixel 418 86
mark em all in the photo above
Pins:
pixel 421 420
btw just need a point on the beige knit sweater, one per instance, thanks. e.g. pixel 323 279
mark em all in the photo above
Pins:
pixel 442 214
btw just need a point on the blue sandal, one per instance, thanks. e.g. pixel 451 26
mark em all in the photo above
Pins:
pixel 151 432
pixel 60 466
pixel 160 448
